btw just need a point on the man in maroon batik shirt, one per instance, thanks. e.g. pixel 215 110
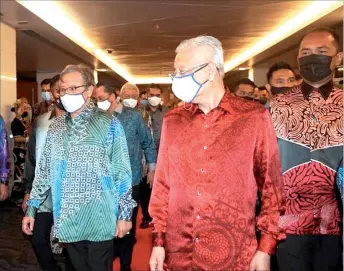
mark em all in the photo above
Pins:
pixel 309 125
pixel 216 151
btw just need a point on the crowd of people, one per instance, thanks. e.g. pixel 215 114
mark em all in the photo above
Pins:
pixel 226 179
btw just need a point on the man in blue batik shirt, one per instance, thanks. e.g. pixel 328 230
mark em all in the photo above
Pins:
pixel 139 139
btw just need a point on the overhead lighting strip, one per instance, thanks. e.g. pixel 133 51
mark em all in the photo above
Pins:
pixel 310 14
pixel 53 14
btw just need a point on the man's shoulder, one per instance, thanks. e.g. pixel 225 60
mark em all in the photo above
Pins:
pixel 243 106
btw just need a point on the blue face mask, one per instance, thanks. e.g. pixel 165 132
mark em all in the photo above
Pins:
pixel 144 102
pixel 45 96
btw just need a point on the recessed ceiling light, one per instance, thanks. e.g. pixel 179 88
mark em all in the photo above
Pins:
pixel 22 22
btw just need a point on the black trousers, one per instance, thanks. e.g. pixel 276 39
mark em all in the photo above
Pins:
pixel 123 247
pixel 145 194
pixel 310 253
pixel 91 256
pixel 41 242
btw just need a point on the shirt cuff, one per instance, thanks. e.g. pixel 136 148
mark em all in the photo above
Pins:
pixel 267 244
pixel 31 211
pixel 126 206
pixel 158 239
pixel 151 167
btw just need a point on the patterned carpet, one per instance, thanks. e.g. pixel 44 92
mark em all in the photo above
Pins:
pixel 16 253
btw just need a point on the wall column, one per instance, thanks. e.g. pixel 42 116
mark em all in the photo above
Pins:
pixel 8 71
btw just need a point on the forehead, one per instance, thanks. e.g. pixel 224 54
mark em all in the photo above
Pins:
pixel 154 90
pixel 318 39
pixel 129 91
pixel 283 73
pixel 99 90
pixel 73 78
pixel 193 54
pixel 245 86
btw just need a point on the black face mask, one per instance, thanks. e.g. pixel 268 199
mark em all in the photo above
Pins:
pixel 24 115
pixel 263 100
pixel 315 68
pixel 279 90
pixel 59 105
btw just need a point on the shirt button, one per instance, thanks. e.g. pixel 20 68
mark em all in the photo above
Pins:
pixel 198 193
pixel 202 170
pixel 197 239
pixel 198 217
pixel 205 147
pixel 206 126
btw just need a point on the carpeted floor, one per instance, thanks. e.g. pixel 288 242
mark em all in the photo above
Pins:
pixel 16 253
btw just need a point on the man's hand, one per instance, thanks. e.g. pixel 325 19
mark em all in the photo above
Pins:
pixel 3 192
pixel 27 225
pixel 150 178
pixel 260 262
pixel 25 199
pixel 156 262
pixel 123 228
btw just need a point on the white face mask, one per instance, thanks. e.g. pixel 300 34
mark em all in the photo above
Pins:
pixel 130 103
pixel 154 101
pixel 186 87
pixel 104 105
pixel 72 103
pixel 45 96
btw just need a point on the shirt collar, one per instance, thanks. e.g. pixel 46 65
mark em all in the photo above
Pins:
pixel 85 113
pixel 224 104
pixel 324 90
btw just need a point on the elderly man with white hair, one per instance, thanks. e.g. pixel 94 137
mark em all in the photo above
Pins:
pixel 216 152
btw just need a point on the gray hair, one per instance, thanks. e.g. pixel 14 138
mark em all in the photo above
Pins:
pixel 208 41
pixel 129 86
pixel 84 70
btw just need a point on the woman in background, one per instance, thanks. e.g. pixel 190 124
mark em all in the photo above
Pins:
pixel 19 132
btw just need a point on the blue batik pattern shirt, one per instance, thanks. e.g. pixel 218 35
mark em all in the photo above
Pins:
pixel 138 138
pixel 86 164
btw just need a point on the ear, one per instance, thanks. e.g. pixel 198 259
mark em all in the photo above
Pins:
pixel 338 58
pixel 268 87
pixel 90 90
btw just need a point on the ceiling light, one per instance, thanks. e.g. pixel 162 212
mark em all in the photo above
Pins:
pixel 53 14
pixel 101 70
pixel 310 14
pixel 243 69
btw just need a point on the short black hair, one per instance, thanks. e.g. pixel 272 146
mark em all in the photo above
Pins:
pixel 278 66
pixel 262 88
pixel 298 76
pixel 154 86
pixel 326 30
pixel 107 88
pixel 143 93
pixel 46 82
pixel 54 80
pixel 243 81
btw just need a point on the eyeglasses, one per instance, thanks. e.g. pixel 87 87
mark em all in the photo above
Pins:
pixel 179 74
pixel 70 90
